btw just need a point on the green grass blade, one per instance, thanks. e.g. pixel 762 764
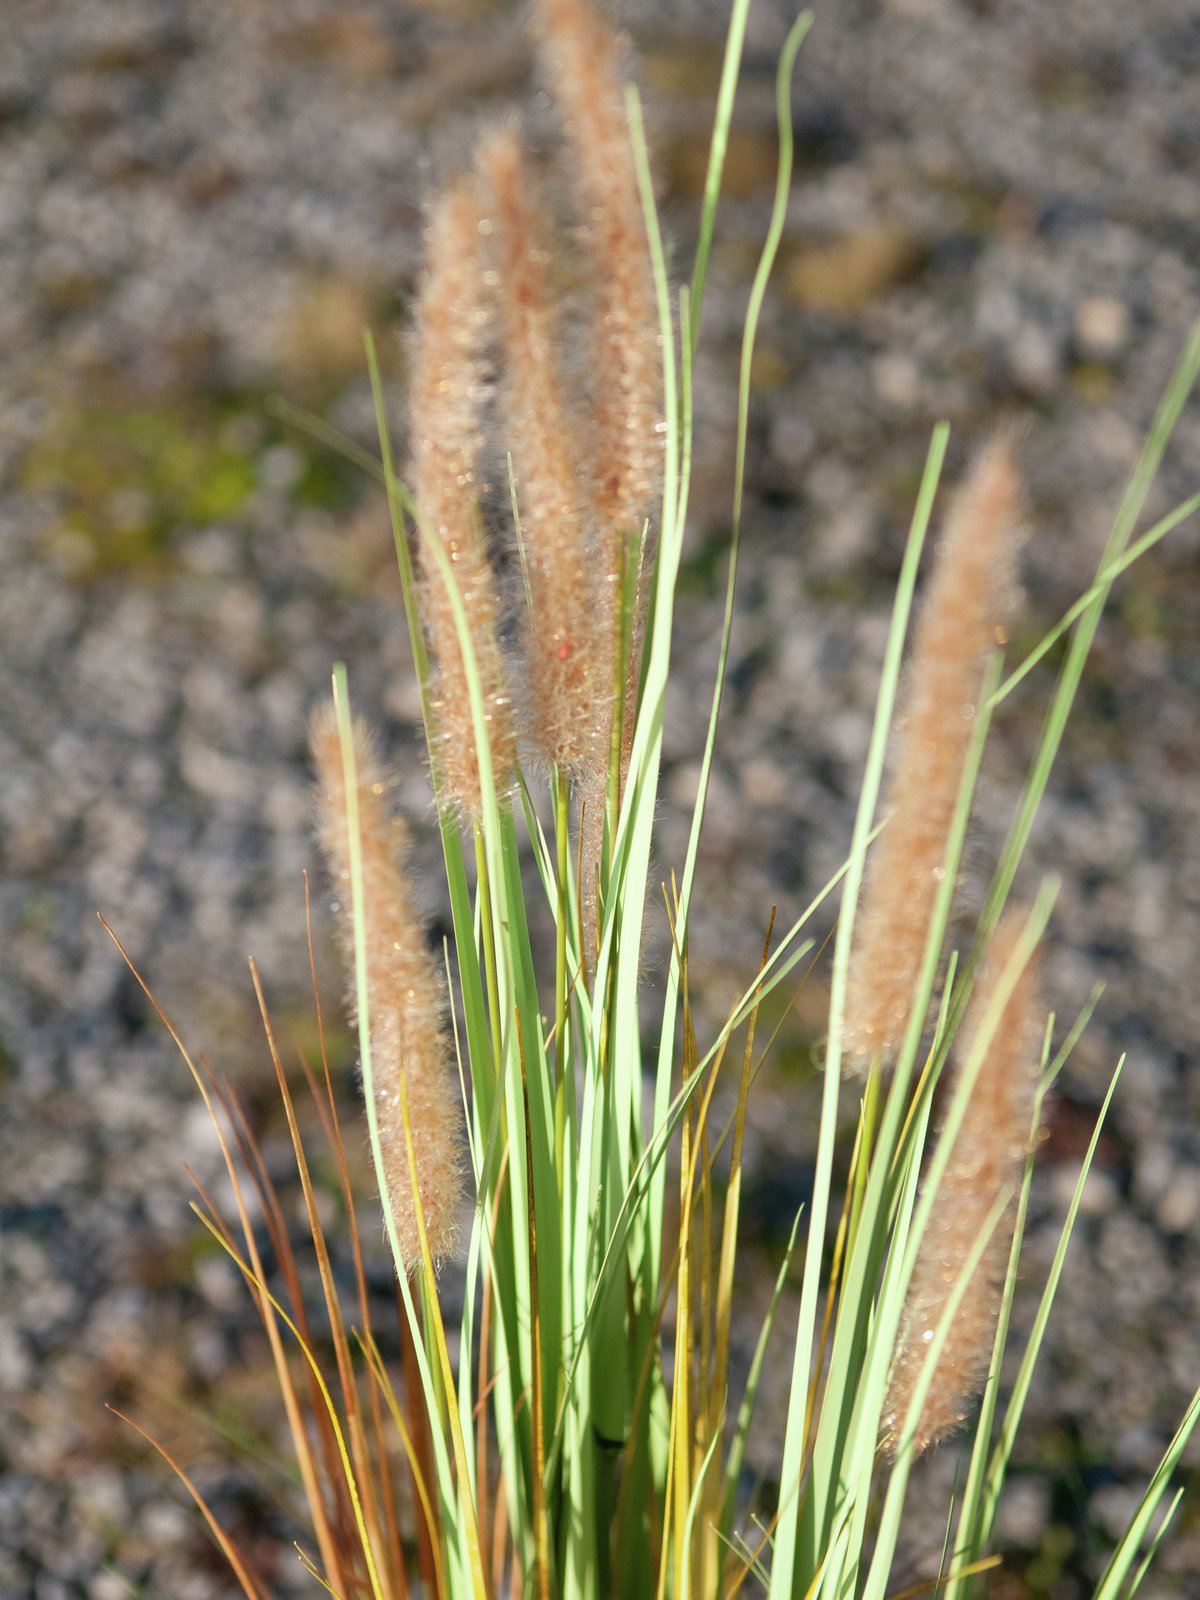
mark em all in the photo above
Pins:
pixel 1178 389
pixel 718 145
pixel 1002 1450
pixel 1135 1583
pixel 749 337
pixel 1098 589
pixel 741 1427
pixel 1110 1586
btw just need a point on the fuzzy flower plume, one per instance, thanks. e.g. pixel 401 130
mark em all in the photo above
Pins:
pixel 408 1041
pixel 448 373
pixel 986 1160
pixel 584 56
pixel 969 599
pixel 570 628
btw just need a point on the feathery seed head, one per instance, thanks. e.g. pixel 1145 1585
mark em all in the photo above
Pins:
pixel 407 1038
pixel 986 1160
pixel 570 628
pixel 450 331
pixel 584 56
pixel 970 595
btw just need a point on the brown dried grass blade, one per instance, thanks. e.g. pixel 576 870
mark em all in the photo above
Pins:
pixel 324 1533
pixel 249 1583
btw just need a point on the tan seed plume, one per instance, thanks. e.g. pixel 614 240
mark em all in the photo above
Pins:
pixel 970 596
pixel 987 1159
pixel 451 326
pixel 408 1041
pixel 570 629
pixel 584 57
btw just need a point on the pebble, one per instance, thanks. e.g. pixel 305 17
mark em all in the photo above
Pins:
pixel 1102 326
pixel 1024 1511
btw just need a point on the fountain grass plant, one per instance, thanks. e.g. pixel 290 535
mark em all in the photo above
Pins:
pixel 579 1433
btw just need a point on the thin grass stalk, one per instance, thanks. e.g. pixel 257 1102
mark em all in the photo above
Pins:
pixel 464 1501
pixel 631 843
pixel 1180 386
pixel 326 1544
pixel 749 338
pixel 483 1388
pixel 334 1506
pixel 487 928
pixel 704 1376
pixel 691 1364
pixel 564 1065
pixel 869 1289
pixel 717 1379
pixel 411 1445
pixel 537 1103
pixel 314 1368
pixel 335 1502
pixel 1134 1583
pixel 834 1291
pixel 327 1110
pixel 360 1456
pixel 675 1554
pixel 250 1585
pixel 1002 1448
pixel 718 148
pixel 1098 589
pixel 541 1528
pixel 745 1412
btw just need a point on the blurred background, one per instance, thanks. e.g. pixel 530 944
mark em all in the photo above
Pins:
pixel 995 218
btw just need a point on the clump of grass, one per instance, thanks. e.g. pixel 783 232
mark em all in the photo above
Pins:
pixel 589 1436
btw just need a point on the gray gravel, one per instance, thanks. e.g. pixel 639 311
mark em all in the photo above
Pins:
pixel 198 208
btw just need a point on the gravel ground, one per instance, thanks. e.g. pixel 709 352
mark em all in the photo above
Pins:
pixel 995 217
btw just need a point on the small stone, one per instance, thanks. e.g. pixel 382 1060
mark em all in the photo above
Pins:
pixel 897 381
pixel 1024 1512
pixel 683 785
pixel 108 1586
pixel 1035 358
pixel 847 273
pixel 16 1369
pixel 1180 1204
pixel 1102 326
pixel 764 782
